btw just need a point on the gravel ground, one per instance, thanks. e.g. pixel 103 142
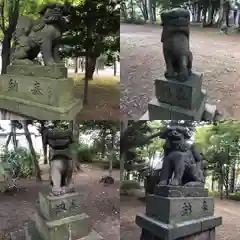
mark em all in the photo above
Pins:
pixel 215 55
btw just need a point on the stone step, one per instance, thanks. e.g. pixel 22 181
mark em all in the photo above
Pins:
pixel 77 226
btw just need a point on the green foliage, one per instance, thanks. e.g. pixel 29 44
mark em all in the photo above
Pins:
pixel 114 157
pixel 213 193
pixel 130 184
pixel 17 163
pixel 137 21
pixel 235 196
pixel 85 153
pixel 91 24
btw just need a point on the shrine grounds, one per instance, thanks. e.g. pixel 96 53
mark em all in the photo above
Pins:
pixel 101 203
pixel 215 55
pixel 229 210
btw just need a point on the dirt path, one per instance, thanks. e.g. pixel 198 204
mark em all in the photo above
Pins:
pixel 229 210
pixel 101 203
pixel 216 55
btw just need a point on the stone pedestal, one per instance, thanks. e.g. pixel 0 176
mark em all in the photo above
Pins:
pixel 58 218
pixel 39 92
pixel 179 100
pixel 178 213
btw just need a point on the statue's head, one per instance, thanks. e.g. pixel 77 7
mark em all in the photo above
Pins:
pixel 176 133
pixel 176 16
pixel 59 138
pixel 56 11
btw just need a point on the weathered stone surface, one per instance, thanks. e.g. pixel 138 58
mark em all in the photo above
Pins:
pixel 181 94
pixel 42 90
pixel 160 231
pixel 53 208
pixel 67 111
pixel 180 191
pixel 29 232
pixel 176 210
pixel 92 236
pixel 35 70
pixel 41 35
pixel 163 111
pixel 207 235
pixel 75 227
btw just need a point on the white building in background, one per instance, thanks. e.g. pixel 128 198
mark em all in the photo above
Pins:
pixel 22 141
pixel 21 138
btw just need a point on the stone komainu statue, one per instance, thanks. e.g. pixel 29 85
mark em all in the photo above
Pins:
pixel 182 161
pixel 43 35
pixel 60 158
pixel 175 40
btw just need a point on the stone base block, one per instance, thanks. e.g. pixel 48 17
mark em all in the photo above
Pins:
pixel 163 111
pixel 57 207
pixel 74 227
pixel 28 68
pixel 180 94
pixel 180 191
pixel 156 230
pixel 42 90
pixel 31 233
pixel 178 209
pixel 67 111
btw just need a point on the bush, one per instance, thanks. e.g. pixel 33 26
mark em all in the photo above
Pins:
pixel 130 184
pixel 114 155
pixel 214 193
pixel 17 163
pixel 138 21
pixel 235 196
pixel 85 153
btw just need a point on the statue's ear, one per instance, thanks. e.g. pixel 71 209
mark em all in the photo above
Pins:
pixel 44 7
pixel 165 134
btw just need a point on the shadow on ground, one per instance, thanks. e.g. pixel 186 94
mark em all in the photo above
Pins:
pixel 103 98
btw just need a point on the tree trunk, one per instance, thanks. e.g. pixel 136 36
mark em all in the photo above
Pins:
pixel 233 177
pixel 8 140
pixel 34 156
pixel 132 10
pixel 44 150
pixel 90 67
pixel 123 127
pixel 6 49
pixel 114 67
pixel 76 65
pixel 124 10
pixel 199 9
pixel 212 184
pixel 150 10
pixel 227 181
pixel 74 127
pixel 6 43
pixel 14 137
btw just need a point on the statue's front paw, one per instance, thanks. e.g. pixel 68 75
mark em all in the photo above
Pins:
pixel 163 182
pixel 174 182
pixel 56 191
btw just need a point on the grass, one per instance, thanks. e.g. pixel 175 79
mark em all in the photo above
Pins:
pixel 103 97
